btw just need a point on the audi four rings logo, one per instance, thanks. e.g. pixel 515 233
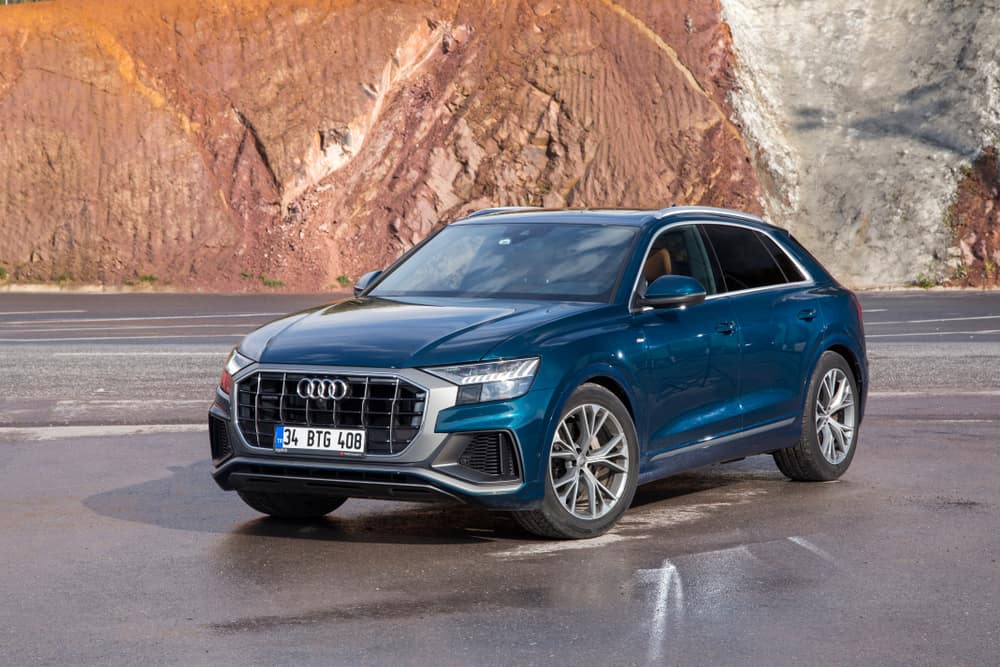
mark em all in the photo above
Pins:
pixel 316 388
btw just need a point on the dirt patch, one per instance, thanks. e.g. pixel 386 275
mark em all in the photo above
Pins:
pixel 944 503
pixel 974 220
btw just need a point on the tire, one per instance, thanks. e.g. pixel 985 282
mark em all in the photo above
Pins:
pixel 820 455
pixel 612 476
pixel 291 505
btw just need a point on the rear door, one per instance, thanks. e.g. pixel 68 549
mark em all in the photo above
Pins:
pixel 779 321
pixel 691 360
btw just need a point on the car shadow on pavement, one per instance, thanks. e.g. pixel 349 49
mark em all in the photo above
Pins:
pixel 712 477
pixel 189 500
pixel 439 524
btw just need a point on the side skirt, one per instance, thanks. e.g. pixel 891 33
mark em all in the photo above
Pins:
pixel 758 440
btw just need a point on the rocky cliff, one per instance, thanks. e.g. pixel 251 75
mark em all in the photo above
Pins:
pixel 233 144
pixel 864 118
pixel 253 143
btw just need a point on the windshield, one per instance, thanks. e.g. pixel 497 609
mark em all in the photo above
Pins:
pixel 534 260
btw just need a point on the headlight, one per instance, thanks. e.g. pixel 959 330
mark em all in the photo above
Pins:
pixel 234 363
pixel 489 381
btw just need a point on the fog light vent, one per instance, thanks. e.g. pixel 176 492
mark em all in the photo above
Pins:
pixel 491 453
pixel 219 436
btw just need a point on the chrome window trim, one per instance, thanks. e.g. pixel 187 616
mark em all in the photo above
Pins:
pixel 809 280
pixel 441 395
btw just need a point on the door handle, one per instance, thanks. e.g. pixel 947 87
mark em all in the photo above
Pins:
pixel 809 314
pixel 726 328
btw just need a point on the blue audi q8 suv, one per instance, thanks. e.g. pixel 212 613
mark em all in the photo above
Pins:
pixel 545 363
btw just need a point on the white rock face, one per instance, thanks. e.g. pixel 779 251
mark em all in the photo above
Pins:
pixel 863 114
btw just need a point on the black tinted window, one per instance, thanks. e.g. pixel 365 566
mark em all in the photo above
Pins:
pixel 792 273
pixel 745 261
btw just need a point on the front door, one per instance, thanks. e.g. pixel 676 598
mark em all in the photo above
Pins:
pixel 691 365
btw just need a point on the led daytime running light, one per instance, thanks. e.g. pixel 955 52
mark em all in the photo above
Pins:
pixel 489 372
pixel 524 369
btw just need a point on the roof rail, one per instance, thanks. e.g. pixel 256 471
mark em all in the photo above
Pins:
pixel 663 212
pixel 501 209
pixel 676 210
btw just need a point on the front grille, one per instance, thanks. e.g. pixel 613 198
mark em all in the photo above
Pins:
pixel 218 435
pixel 491 453
pixel 390 409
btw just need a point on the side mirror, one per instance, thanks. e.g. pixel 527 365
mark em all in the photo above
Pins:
pixel 671 291
pixel 364 281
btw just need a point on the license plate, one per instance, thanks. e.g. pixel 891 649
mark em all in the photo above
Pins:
pixel 345 442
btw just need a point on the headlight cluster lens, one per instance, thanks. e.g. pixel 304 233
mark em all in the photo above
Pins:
pixel 489 381
pixel 234 363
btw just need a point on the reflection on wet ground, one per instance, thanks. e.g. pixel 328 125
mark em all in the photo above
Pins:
pixel 134 550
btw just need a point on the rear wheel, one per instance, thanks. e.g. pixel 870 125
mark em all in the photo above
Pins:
pixel 291 505
pixel 829 425
pixel 592 468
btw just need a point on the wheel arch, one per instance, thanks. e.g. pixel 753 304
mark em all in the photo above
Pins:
pixel 614 379
pixel 611 379
pixel 854 359
pixel 616 388
pixel 805 461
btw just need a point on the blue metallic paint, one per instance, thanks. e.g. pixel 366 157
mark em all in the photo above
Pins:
pixel 698 394
pixel 775 347
pixel 690 376
pixel 388 333
pixel 672 290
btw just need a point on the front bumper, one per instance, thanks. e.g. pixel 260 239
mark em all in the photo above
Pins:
pixel 429 469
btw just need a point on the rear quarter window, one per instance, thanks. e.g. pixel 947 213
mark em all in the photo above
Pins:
pixel 745 261
pixel 788 267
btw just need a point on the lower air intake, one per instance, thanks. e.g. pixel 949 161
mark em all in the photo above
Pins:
pixel 218 434
pixel 491 453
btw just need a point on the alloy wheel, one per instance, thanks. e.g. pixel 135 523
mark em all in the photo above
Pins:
pixel 835 416
pixel 589 464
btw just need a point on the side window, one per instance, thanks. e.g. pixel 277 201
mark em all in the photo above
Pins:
pixel 746 263
pixel 678 251
pixel 792 273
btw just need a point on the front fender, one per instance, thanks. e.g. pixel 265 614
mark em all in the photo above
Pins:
pixel 623 377
pixel 601 344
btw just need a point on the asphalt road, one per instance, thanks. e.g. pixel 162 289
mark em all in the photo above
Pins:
pixel 118 548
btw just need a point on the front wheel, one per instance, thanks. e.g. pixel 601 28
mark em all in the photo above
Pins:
pixel 291 505
pixel 829 425
pixel 592 468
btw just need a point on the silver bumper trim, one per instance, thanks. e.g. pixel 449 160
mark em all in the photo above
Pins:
pixel 437 479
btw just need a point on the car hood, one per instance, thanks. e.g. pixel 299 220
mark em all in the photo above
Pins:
pixel 392 333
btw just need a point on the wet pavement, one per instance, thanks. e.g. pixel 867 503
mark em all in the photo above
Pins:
pixel 118 548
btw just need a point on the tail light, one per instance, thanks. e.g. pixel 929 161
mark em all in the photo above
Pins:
pixel 857 307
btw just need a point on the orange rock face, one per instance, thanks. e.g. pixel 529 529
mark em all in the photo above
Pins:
pixel 210 144
pixel 975 223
